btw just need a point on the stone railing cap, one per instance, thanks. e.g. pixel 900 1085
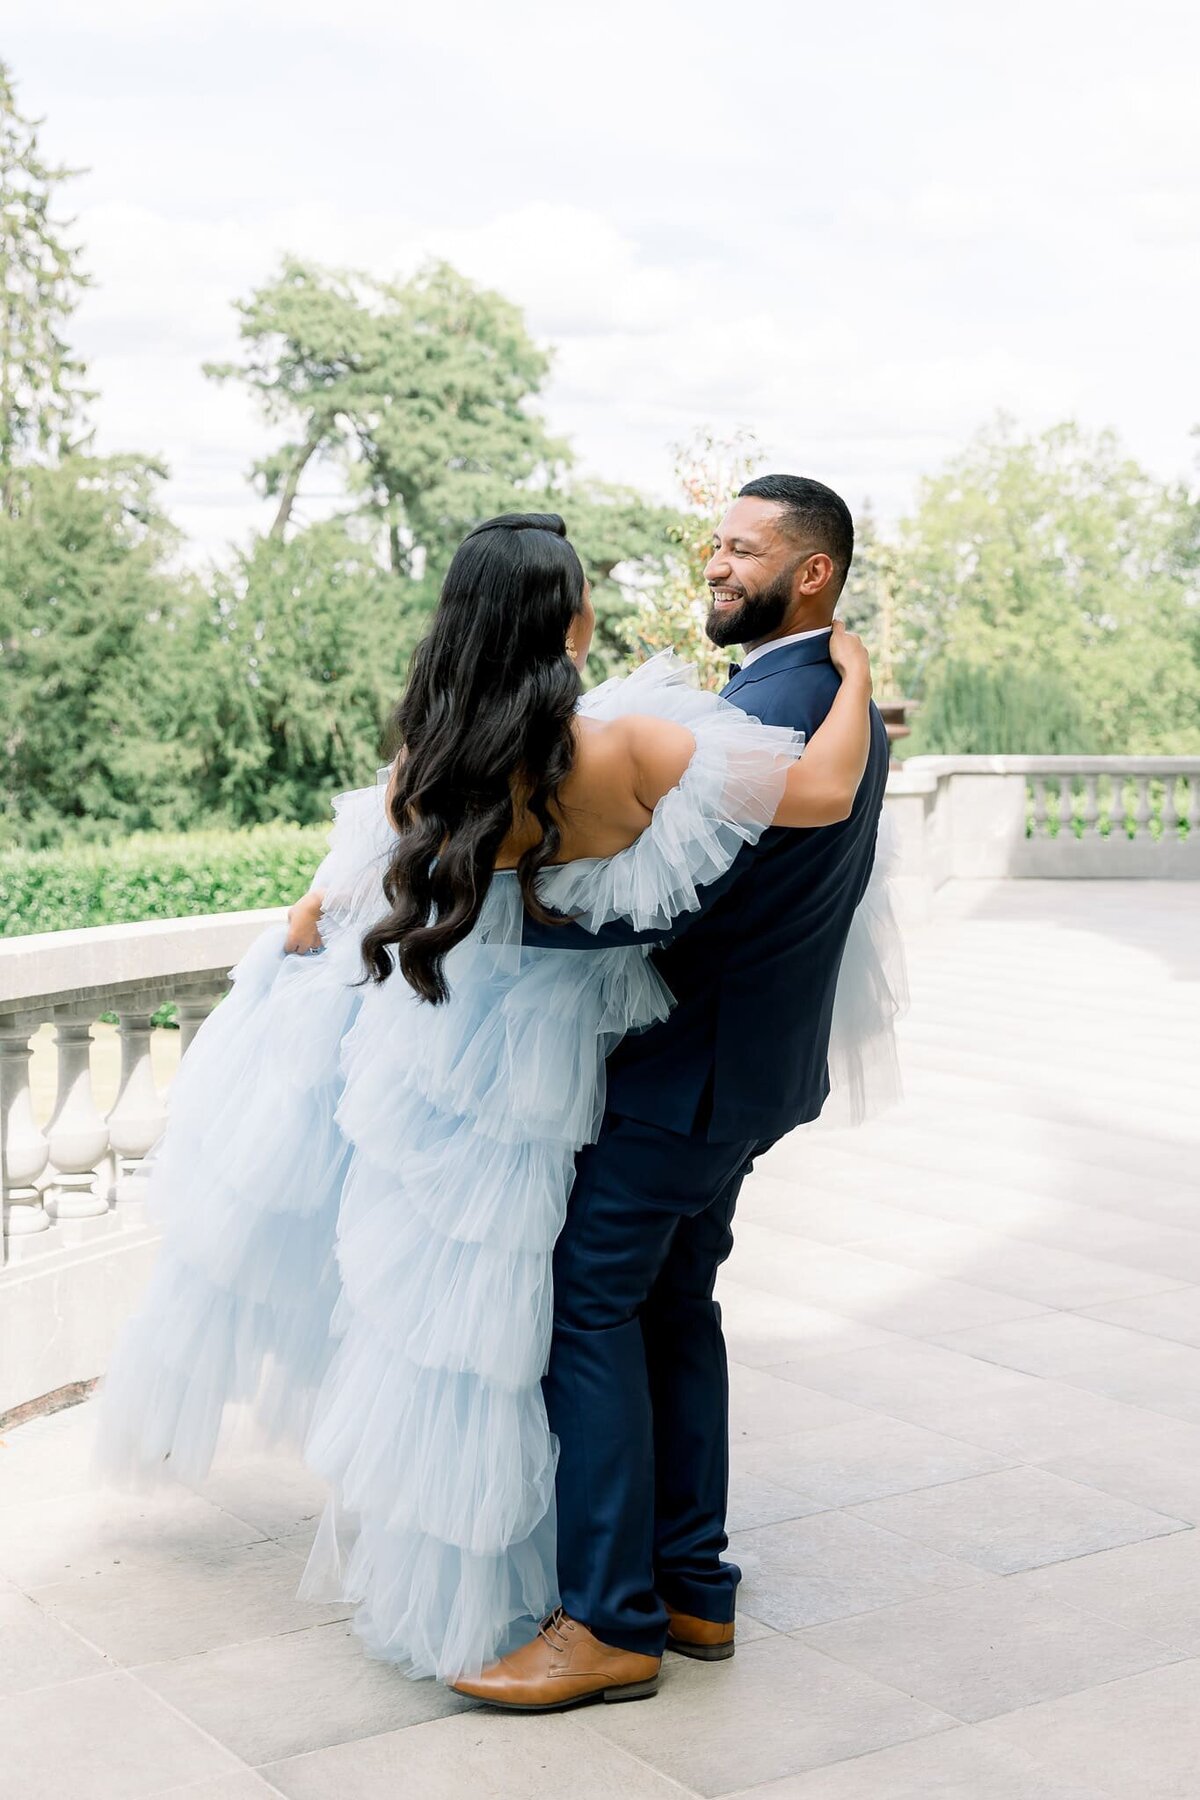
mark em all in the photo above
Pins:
pixel 54 966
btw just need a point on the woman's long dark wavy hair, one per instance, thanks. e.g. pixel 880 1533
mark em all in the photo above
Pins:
pixel 489 705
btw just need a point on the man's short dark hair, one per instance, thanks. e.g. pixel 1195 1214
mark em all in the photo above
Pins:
pixel 814 513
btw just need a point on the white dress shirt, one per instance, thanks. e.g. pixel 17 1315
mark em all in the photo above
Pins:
pixel 797 637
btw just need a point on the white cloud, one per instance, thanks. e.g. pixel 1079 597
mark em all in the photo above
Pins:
pixel 859 231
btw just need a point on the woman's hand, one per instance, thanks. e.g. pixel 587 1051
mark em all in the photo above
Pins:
pixel 822 785
pixel 848 654
pixel 302 934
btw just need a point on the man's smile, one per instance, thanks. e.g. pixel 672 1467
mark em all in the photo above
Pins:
pixel 725 597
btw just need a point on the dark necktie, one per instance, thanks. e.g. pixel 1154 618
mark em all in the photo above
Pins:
pixel 734 669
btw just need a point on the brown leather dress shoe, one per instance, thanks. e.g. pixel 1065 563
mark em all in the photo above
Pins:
pixel 564 1665
pixel 701 1638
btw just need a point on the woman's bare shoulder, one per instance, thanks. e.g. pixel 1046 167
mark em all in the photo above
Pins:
pixel 637 756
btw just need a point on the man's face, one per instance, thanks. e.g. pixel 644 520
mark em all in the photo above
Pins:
pixel 751 573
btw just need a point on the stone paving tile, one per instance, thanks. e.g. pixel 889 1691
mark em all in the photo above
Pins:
pixel 905 1379
pixel 47 1458
pixel 748 1628
pixel 802 1208
pixel 881 1294
pixel 246 1786
pixel 762 1406
pixel 987 1093
pixel 277 1494
pixel 1151 1587
pixel 1088 1353
pixel 965 1764
pixel 187 1607
pixel 1173 1314
pixel 36 1651
pixel 757 1500
pixel 1157 1465
pixel 763 1328
pixel 841 1465
pixel 105 1737
pixel 1013 1265
pixel 1136 1739
pixel 302 1690
pixel 480 1755
pixel 1024 1417
pixel 995 1649
pixel 1015 1519
pixel 832 1565
pixel 776 1709
pixel 44 1541
pixel 1023 1122
pixel 980 1185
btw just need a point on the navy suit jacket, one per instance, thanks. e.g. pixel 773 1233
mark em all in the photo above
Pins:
pixel 743 1055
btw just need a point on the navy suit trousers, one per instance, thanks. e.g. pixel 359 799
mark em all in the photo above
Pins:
pixel 637 1388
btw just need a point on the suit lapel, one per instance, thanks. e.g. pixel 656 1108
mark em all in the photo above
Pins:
pixel 778 662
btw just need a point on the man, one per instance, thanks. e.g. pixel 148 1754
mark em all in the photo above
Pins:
pixel 637 1385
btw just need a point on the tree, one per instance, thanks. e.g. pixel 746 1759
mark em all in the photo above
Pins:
pixel 92 631
pixel 419 392
pixel 420 395
pixel 671 612
pixel 42 396
pixel 1057 556
pixel 97 651
pixel 625 543
pixel 309 644
pixel 971 710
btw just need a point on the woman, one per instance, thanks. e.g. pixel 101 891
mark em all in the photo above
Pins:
pixel 362 1180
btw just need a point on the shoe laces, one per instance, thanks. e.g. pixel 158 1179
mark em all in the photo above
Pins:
pixel 553 1628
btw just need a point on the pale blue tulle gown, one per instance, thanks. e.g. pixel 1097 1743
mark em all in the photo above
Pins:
pixel 359 1195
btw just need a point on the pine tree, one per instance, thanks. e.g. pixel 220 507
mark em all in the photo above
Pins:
pixel 42 396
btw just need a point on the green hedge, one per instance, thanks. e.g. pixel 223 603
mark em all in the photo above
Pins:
pixel 157 877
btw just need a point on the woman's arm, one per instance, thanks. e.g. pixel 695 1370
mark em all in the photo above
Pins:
pixel 303 933
pixel 822 785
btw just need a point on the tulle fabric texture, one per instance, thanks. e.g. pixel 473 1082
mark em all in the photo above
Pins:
pixel 359 1196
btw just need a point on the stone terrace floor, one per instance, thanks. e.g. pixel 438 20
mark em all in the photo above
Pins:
pixel 966 1423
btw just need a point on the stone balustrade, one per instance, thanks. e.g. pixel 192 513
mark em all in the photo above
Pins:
pixel 82 1164
pixel 977 818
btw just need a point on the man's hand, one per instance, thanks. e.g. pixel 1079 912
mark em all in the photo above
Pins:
pixel 302 934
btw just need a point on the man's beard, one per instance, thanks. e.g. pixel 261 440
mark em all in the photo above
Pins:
pixel 757 617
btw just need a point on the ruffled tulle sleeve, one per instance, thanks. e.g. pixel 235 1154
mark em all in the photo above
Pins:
pixel 872 994
pixel 361 840
pixel 726 798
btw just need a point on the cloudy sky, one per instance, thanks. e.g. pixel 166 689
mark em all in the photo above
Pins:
pixel 856 228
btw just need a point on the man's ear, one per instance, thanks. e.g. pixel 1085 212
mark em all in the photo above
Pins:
pixel 816 573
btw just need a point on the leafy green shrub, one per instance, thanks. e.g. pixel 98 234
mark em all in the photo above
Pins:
pixel 153 876
pixel 1014 711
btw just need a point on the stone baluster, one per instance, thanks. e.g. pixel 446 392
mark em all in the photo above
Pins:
pixel 1177 806
pixel 1143 809
pixel 138 1114
pixel 77 1133
pixel 23 1147
pixel 191 1014
pixel 1041 816
pixel 1091 805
